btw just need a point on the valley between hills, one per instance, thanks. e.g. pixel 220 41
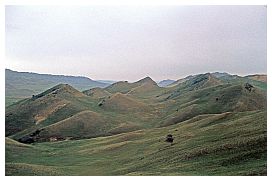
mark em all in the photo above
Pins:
pixel 218 123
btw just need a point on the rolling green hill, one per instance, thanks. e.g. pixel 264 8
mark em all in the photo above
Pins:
pixel 20 85
pixel 218 122
pixel 63 112
pixel 144 106
pixel 256 80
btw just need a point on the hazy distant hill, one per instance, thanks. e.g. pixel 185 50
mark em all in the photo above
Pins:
pixel 165 83
pixel 107 81
pixel 262 78
pixel 24 84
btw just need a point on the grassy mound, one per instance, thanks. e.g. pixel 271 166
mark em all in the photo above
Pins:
pixel 85 124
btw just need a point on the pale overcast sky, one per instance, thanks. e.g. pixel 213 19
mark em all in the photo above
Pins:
pixel 130 42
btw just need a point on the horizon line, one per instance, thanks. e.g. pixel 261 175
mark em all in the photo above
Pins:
pixel 82 76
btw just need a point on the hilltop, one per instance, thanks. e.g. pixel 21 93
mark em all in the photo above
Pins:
pixel 97 92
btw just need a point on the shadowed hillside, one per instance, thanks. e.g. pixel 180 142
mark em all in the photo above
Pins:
pixel 84 124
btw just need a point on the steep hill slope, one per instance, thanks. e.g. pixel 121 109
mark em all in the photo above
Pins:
pixel 35 110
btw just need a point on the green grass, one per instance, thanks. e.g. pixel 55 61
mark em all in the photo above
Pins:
pixel 219 128
pixel 232 144
pixel 12 100
pixel 125 112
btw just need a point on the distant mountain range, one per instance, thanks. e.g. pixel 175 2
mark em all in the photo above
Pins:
pixel 24 84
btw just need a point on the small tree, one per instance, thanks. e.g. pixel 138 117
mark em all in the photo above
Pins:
pixel 169 138
pixel 248 86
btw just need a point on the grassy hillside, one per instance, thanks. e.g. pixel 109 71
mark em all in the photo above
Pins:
pixel 121 102
pixel 20 85
pixel 97 93
pixel 144 106
pixel 218 99
pixel 84 124
pixel 138 88
pixel 122 87
pixel 256 80
pixel 38 109
pixel 63 112
pixel 213 144
pixel 218 122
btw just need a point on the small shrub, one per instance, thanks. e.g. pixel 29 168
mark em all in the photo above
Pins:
pixel 169 138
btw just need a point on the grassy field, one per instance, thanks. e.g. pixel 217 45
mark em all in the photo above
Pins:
pixel 211 144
